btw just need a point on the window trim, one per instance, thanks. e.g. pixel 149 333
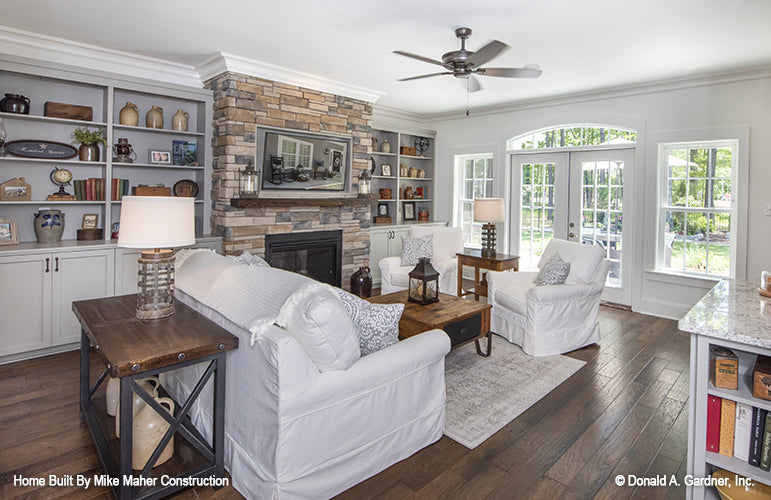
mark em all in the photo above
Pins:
pixel 459 177
pixel 282 139
pixel 738 205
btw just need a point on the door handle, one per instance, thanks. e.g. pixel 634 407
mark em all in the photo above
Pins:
pixel 56 269
pixel 48 261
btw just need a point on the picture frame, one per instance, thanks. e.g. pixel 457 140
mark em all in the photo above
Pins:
pixel 160 157
pixel 9 231
pixel 90 221
pixel 382 210
pixel 409 210
pixel 15 190
pixel 385 170
pixel 184 153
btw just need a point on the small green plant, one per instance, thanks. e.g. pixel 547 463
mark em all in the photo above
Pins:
pixel 87 137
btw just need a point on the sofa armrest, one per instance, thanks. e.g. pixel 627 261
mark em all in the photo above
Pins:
pixel 388 264
pixel 555 293
pixel 499 279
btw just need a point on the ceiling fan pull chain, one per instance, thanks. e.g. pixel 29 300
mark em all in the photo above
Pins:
pixel 467 95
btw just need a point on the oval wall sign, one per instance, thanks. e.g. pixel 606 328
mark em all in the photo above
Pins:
pixel 50 150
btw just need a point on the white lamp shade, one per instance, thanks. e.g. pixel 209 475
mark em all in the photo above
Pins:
pixel 156 222
pixel 487 210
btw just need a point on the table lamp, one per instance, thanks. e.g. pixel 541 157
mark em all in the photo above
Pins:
pixel 161 223
pixel 489 210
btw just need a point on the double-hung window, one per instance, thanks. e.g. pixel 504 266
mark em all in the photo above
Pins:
pixel 295 152
pixel 474 177
pixel 697 208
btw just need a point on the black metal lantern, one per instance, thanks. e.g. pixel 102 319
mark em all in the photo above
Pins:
pixel 247 181
pixel 424 283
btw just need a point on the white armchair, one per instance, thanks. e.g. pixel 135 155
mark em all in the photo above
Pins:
pixel 447 242
pixel 553 319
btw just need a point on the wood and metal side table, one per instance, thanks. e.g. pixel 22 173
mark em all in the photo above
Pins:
pixel 133 349
pixel 474 258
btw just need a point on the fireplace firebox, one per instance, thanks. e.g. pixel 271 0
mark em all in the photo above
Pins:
pixel 318 254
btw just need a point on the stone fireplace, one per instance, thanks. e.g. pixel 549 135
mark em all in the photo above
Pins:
pixel 241 104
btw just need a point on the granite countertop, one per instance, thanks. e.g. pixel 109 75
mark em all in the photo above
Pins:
pixel 732 310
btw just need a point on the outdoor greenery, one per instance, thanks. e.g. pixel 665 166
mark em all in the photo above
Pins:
pixel 696 257
pixel 572 136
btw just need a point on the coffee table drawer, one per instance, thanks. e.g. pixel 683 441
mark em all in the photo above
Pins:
pixel 464 330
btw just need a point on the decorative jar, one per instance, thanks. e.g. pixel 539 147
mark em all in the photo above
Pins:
pixel 49 226
pixel 129 115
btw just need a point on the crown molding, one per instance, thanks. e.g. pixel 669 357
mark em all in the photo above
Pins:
pixel 651 87
pixel 59 50
pixel 387 114
pixel 223 62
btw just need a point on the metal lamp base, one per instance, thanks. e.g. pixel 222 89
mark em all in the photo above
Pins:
pixel 488 240
pixel 155 299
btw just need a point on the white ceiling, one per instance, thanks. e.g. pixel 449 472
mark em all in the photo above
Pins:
pixel 580 45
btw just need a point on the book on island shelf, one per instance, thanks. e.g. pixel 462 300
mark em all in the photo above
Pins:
pixel 713 423
pixel 727 422
pixel 742 431
pixel 756 436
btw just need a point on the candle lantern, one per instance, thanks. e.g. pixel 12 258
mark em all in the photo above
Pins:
pixel 424 283
pixel 365 183
pixel 248 179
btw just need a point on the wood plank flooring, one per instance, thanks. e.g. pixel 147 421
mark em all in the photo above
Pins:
pixel 625 412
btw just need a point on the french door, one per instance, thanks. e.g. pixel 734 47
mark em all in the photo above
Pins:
pixel 578 196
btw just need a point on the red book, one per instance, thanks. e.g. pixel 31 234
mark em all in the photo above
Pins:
pixel 114 190
pixel 90 189
pixel 713 423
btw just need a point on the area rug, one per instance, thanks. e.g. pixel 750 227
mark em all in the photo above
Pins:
pixel 485 394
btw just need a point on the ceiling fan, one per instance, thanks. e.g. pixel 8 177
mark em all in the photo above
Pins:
pixel 464 64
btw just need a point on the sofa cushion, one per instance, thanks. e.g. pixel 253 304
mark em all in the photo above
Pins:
pixel 513 297
pixel 247 258
pixel 377 325
pixel 447 240
pixel 553 272
pixel 316 317
pixel 584 259
pixel 414 248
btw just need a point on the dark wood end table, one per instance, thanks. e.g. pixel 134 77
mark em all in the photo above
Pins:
pixel 132 349
pixel 474 258
pixel 462 320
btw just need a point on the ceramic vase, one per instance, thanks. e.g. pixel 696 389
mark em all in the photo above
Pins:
pixel 361 282
pixel 149 384
pixel 88 152
pixel 385 147
pixel 154 117
pixel 49 226
pixel 129 115
pixel 149 428
pixel 374 144
pixel 179 121
pixel 15 103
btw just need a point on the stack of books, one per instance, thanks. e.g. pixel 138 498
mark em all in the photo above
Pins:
pixel 93 189
pixel 740 431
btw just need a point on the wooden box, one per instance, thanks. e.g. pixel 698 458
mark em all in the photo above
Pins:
pixel 761 378
pixel 382 219
pixel 70 111
pixel 90 234
pixel 144 190
pixel 406 150
pixel 723 368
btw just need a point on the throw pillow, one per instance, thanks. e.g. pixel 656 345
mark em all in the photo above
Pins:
pixel 376 324
pixel 553 272
pixel 249 259
pixel 415 248
pixel 316 317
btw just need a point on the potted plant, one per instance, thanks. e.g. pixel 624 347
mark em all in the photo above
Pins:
pixel 89 143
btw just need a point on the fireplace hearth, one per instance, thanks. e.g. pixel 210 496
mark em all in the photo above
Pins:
pixel 318 254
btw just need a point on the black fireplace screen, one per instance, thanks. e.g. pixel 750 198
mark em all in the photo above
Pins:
pixel 317 254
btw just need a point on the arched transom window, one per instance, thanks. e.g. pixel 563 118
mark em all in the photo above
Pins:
pixel 568 136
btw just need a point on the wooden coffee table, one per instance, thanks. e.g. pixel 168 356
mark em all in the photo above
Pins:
pixel 463 320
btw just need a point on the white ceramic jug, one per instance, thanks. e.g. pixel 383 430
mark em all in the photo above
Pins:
pixel 149 428
pixel 150 384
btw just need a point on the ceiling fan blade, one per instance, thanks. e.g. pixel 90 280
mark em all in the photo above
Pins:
pixel 419 58
pixel 423 76
pixel 470 84
pixel 486 53
pixel 511 72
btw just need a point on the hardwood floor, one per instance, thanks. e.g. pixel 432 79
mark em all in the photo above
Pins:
pixel 625 412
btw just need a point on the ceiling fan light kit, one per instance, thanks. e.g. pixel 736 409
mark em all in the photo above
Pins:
pixel 464 64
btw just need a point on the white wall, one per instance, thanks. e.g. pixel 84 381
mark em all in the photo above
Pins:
pixel 724 104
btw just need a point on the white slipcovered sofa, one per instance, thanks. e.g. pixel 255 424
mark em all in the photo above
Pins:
pixel 554 319
pixel 291 430
pixel 447 241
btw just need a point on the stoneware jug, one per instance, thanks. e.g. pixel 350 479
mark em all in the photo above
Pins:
pixel 49 226
pixel 149 384
pixel 374 144
pixel 129 115
pixel 149 428
pixel 179 121
pixel 385 147
pixel 361 282
pixel 154 117
pixel 15 103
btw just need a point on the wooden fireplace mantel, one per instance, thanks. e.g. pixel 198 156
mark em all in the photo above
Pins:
pixel 369 199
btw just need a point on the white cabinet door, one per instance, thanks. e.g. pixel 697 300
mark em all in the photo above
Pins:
pixel 25 302
pixel 78 276
pixel 378 249
pixel 395 249
pixel 126 270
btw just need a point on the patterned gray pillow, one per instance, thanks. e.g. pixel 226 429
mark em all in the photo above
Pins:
pixel 414 248
pixel 376 324
pixel 554 272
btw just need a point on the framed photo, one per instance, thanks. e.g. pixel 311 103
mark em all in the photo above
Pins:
pixel 9 233
pixel 184 152
pixel 15 190
pixel 409 210
pixel 385 169
pixel 382 209
pixel 90 221
pixel 163 157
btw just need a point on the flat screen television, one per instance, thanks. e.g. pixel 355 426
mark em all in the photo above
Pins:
pixel 298 161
